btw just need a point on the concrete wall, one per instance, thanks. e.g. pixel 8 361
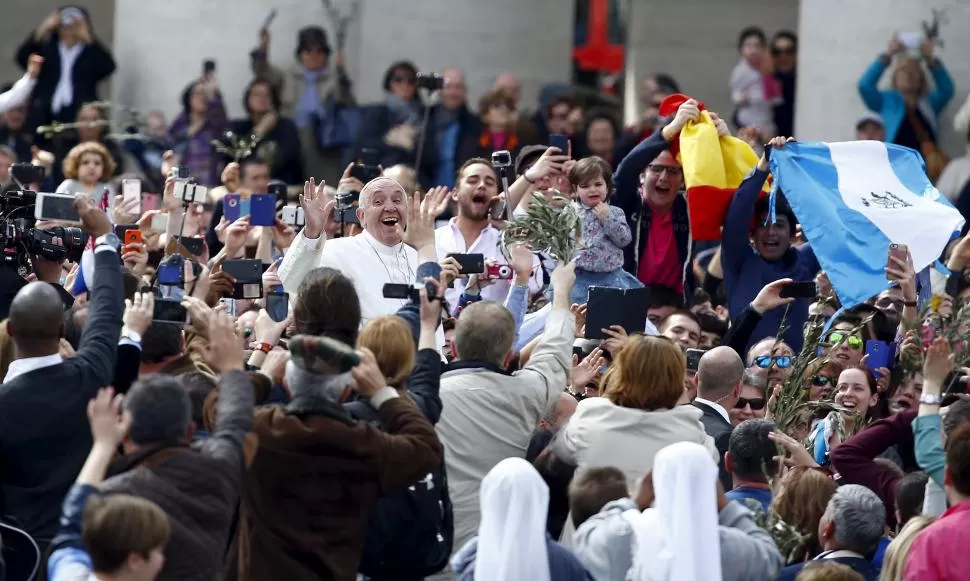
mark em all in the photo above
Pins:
pixel 836 49
pixel 17 17
pixel 696 40
pixel 161 45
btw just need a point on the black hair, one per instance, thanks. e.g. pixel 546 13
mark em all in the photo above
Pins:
pixel 160 409
pixel 198 385
pixel 663 296
pixel 666 83
pixel 598 115
pixel 187 94
pixel 711 324
pixel 909 496
pixel 407 65
pixel 274 95
pixel 752 451
pixel 750 31
pixel 160 342
pixel 761 209
pixel 312 36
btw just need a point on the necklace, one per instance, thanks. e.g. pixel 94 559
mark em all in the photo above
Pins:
pixel 409 274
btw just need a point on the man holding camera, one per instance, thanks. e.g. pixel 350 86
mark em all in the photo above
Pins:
pixel 471 232
pixel 42 451
pixel 382 254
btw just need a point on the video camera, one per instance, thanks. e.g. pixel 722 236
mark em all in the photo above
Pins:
pixel 19 239
pixel 410 291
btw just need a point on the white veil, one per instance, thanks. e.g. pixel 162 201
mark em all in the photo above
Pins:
pixel 512 531
pixel 678 538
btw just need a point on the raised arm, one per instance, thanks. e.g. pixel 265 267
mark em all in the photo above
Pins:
pixel 734 239
pixel 304 254
pixel 626 177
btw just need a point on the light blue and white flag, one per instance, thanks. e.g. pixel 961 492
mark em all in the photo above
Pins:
pixel 853 200
pixel 85 274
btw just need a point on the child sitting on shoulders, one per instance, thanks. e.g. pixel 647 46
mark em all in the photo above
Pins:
pixel 86 167
pixel 605 230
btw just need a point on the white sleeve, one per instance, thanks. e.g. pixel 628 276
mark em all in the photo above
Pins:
pixel 300 258
pixel 18 93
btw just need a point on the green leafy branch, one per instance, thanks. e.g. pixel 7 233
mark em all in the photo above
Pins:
pixel 234 146
pixel 124 122
pixel 553 229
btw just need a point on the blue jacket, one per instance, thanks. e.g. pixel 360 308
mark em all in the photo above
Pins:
pixel 746 272
pixel 69 561
pixel 865 568
pixel 889 104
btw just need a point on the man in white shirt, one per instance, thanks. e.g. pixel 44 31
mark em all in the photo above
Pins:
pixel 472 232
pixel 719 374
pixel 373 258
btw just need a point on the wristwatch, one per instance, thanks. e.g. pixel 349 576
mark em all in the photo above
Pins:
pixel 110 239
pixel 930 399
pixel 132 336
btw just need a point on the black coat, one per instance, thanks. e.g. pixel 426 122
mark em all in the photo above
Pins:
pixel 280 148
pixel 92 66
pixel 375 122
pixel 44 431
pixel 719 429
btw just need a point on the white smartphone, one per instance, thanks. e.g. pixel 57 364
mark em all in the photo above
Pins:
pixel 131 190
pixel 56 207
pixel 230 306
pixel 160 222
pixel 294 216
pixel 190 193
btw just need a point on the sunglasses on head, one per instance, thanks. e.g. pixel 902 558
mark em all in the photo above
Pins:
pixel 756 403
pixel 822 380
pixel 836 338
pixel 779 361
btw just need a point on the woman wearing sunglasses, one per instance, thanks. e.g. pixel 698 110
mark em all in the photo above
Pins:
pixel 821 377
pixel 845 343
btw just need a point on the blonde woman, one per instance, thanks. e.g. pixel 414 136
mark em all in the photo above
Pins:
pixel 894 562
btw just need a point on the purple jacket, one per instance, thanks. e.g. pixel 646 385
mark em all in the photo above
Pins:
pixel 196 151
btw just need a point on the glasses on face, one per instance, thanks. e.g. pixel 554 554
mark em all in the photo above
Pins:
pixel 756 403
pixel 406 79
pixel 836 338
pixel 767 361
pixel 658 169
pixel 887 302
pixel 780 50
pixel 821 380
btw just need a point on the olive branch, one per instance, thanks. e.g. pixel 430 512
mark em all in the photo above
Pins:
pixel 546 228
pixel 234 146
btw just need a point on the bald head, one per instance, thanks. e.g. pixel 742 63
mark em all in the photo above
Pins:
pixel 36 319
pixel 485 332
pixel 719 374
pixel 510 84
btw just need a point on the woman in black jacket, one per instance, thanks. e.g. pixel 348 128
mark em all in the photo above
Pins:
pixel 57 97
pixel 279 139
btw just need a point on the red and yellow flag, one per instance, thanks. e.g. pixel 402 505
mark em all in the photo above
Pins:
pixel 713 169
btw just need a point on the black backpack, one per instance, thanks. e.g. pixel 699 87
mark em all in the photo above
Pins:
pixel 409 533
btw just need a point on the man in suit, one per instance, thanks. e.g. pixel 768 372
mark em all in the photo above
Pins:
pixel 849 531
pixel 718 389
pixel 44 434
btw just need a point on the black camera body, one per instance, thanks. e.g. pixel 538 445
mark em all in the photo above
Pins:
pixel 410 291
pixel 430 81
pixel 19 239
pixel 27 173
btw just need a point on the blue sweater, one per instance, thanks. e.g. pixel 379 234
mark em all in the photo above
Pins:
pixel 746 272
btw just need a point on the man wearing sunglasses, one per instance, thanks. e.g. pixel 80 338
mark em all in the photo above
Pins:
pixel 772 360
pixel 718 389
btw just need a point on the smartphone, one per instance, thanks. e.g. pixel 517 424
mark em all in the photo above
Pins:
pixel 693 358
pixel 131 190
pixel 799 290
pixel 171 274
pixel 470 263
pixel 263 210
pixel 248 275
pixel 294 216
pixel 150 201
pixel 58 207
pixel 133 237
pixel 235 207
pixel 397 291
pixel 910 40
pixel 121 229
pixel 277 306
pixel 160 222
pixel 881 354
pixel 230 306
pixel 898 251
pixel 561 142
pixel 170 311
pixel 195 246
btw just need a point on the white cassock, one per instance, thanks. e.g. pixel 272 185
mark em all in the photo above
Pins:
pixel 367 262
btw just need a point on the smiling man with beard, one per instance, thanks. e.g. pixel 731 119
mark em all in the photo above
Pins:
pixel 756 250
pixel 471 232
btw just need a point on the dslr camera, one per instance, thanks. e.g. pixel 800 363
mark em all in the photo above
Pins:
pixel 410 291
pixel 19 239
pixel 430 81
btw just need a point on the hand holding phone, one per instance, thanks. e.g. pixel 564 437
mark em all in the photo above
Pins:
pixel 799 290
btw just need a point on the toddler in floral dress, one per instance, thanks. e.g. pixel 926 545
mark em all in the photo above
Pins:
pixel 599 261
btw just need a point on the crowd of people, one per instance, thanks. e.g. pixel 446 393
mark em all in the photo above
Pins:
pixel 376 384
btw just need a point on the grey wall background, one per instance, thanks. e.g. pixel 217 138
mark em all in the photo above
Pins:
pixel 836 50
pixel 20 17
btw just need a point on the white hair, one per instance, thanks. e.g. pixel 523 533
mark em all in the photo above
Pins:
pixel 375 185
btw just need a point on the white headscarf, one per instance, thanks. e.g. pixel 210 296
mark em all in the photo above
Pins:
pixel 678 538
pixel 512 532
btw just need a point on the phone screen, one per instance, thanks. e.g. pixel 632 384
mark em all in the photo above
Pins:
pixel 170 311
pixel 171 274
pixel 131 190
pixel 56 207
pixel 277 306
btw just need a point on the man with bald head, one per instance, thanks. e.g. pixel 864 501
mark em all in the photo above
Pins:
pixel 510 85
pixel 453 130
pixel 488 414
pixel 648 183
pixel 44 433
pixel 375 257
pixel 719 376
